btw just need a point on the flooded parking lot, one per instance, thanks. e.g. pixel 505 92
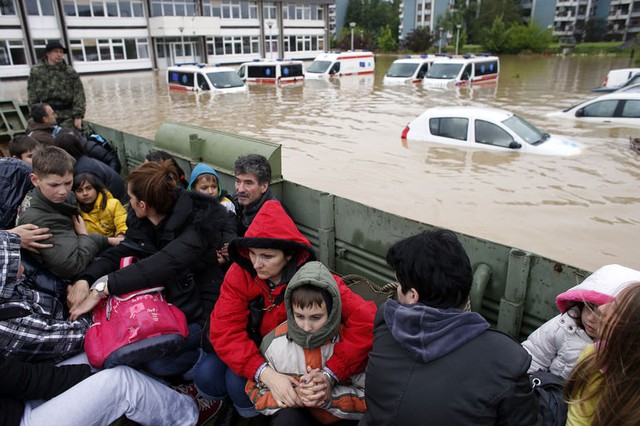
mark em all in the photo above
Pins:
pixel 343 136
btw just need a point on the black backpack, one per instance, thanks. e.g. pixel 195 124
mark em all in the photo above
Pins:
pixel 552 408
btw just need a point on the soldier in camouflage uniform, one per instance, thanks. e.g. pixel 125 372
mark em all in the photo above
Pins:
pixel 54 82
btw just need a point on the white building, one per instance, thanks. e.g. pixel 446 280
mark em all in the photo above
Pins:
pixel 123 35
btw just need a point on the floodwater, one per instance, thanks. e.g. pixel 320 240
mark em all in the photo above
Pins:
pixel 343 137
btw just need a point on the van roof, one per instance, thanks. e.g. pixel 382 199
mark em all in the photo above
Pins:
pixel 459 59
pixel 415 59
pixel 350 54
pixel 200 67
pixel 273 62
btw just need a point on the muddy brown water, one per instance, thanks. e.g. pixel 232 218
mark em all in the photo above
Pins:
pixel 343 136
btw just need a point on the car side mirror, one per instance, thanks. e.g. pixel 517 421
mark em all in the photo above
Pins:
pixel 515 145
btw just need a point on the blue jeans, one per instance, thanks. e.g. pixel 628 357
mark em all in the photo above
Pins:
pixel 183 361
pixel 214 380
pixel 109 394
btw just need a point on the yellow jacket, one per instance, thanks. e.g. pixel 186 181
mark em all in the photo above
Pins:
pixel 581 414
pixel 109 222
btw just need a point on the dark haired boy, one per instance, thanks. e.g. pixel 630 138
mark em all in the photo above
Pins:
pixel 300 347
pixel 50 204
pixel 432 361
pixel 22 147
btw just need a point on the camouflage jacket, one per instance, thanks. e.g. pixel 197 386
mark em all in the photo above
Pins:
pixel 60 87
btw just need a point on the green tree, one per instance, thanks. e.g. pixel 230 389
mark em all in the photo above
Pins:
pixel 387 41
pixel 508 10
pixel 595 30
pixel 528 37
pixel 495 39
pixel 372 16
pixel 419 40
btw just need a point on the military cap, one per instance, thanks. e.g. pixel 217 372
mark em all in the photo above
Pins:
pixel 55 44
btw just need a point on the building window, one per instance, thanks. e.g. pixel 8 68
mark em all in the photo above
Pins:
pixel 233 45
pixel 211 8
pixel 117 49
pixel 39 8
pixel 12 52
pixel 269 10
pixel 108 8
pixel 173 8
pixel 7 8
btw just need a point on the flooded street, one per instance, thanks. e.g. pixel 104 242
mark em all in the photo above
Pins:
pixel 343 137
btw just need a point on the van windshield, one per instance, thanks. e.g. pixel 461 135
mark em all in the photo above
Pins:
pixel 527 131
pixel 319 66
pixel 399 69
pixel 225 79
pixel 444 71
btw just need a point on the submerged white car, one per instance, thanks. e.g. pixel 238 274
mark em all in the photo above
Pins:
pixel 612 108
pixel 494 129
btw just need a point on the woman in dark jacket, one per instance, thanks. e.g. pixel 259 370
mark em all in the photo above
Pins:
pixel 174 234
pixel 70 142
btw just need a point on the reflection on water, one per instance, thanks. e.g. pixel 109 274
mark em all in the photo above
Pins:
pixel 343 136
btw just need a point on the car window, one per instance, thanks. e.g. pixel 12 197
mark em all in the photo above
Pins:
pixel 491 134
pixel 449 127
pixel 423 70
pixel 600 109
pixel 631 109
pixel 202 83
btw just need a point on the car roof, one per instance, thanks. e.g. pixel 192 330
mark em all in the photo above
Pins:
pixel 619 95
pixel 469 112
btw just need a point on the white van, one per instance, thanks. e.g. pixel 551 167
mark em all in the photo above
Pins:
pixel 618 77
pixel 410 69
pixel 338 64
pixel 462 71
pixel 203 77
pixel 280 71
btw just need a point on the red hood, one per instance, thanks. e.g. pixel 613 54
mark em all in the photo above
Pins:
pixel 271 228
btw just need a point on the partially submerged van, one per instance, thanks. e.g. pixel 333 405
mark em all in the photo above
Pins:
pixel 410 69
pixel 617 78
pixel 280 71
pixel 338 64
pixel 462 71
pixel 203 77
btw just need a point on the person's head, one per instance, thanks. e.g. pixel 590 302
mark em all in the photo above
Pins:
pixel 313 304
pixel 432 268
pixel 310 306
pixel 52 173
pixel 87 186
pixel 601 287
pixel 617 358
pixel 253 175
pixel 159 155
pixel 54 52
pixel 69 141
pixel 587 316
pixel 22 147
pixel 43 113
pixel 269 263
pixel 205 179
pixel 152 188
pixel 273 247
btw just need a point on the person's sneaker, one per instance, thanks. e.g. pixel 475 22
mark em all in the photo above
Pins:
pixel 209 409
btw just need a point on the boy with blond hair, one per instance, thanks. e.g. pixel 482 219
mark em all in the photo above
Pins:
pixel 50 204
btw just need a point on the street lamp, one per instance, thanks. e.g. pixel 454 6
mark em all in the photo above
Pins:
pixel 352 26
pixel 270 25
pixel 458 26
pixel 440 41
